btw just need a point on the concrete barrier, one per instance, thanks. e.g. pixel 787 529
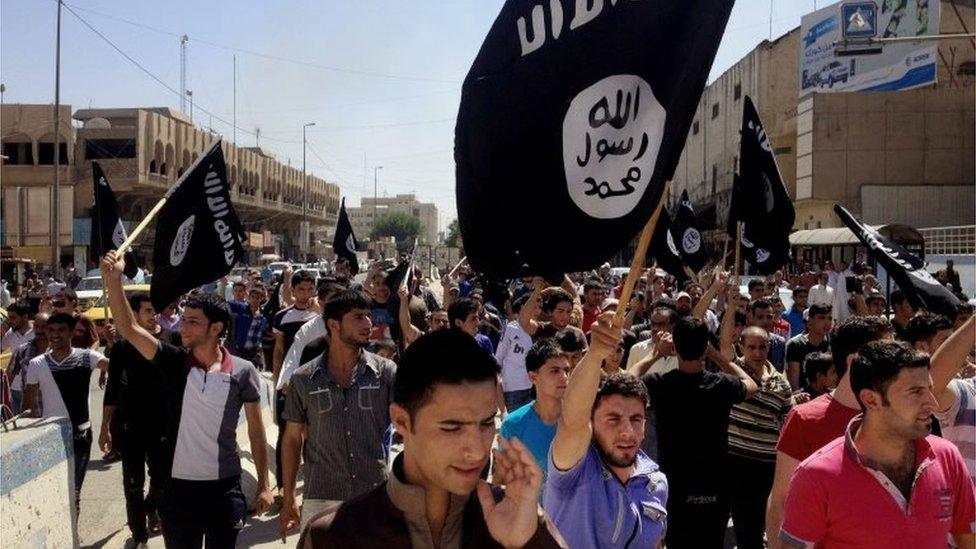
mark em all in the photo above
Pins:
pixel 37 485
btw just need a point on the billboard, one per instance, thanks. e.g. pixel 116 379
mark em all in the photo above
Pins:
pixel 899 66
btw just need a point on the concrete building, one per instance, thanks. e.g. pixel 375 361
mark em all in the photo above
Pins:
pixel 362 218
pixel 143 152
pixel 877 153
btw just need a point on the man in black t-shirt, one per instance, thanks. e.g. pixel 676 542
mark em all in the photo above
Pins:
pixel 692 407
pixel 815 339
pixel 134 422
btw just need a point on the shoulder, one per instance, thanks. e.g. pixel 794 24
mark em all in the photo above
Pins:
pixel 800 339
pixel 519 415
pixel 943 449
pixel 824 462
pixel 812 410
pixel 350 521
pixel 384 366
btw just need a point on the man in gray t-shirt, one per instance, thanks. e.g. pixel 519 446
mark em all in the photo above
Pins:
pixel 339 407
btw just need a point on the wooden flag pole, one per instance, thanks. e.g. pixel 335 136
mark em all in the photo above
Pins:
pixel 640 253
pixel 458 266
pixel 141 226
pixel 738 249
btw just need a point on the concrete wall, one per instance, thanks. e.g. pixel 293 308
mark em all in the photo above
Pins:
pixel 37 485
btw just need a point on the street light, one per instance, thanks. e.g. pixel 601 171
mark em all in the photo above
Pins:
pixel 189 93
pixel 304 228
pixel 376 169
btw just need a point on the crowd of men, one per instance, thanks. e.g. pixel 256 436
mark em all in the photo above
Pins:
pixel 536 413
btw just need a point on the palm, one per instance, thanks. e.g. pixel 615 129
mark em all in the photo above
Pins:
pixel 513 520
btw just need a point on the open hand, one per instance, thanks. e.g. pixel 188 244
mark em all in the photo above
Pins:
pixel 513 521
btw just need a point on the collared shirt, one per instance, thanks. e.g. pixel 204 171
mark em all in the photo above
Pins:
pixel 837 498
pixel 592 508
pixel 811 425
pixel 754 423
pixel 346 452
pixel 73 378
pixel 249 327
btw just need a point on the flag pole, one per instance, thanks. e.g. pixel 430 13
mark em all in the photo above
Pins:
pixel 458 266
pixel 640 253
pixel 738 249
pixel 141 226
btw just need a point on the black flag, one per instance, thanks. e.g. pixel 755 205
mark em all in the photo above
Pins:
pixel 345 244
pixel 905 268
pixel 759 199
pixel 198 235
pixel 663 249
pixel 107 232
pixel 686 235
pixel 584 106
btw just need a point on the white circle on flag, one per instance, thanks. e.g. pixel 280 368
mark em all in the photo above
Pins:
pixel 118 235
pixel 671 245
pixel 182 241
pixel 612 132
pixel 691 240
pixel 350 244
pixel 761 255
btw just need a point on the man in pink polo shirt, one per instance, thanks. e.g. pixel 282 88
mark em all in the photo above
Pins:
pixel 885 483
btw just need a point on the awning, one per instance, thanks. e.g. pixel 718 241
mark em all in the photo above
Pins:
pixel 905 235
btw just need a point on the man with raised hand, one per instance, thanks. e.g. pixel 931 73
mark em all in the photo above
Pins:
pixel 206 387
pixel 444 407
pixel 602 490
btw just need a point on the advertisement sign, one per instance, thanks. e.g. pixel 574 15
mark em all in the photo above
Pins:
pixel 899 66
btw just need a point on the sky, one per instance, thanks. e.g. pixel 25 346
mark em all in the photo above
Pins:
pixel 381 80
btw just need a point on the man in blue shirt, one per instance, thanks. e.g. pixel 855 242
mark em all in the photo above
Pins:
pixel 602 490
pixel 535 423
pixel 795 315
pixel 249 327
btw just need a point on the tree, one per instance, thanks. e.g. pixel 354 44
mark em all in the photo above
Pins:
pixel 453 234
pixel 402 226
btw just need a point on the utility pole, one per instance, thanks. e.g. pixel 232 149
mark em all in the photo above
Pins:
pixel 183 40
pixel 375 196
pixel 304 227
pixel 234 121
pixel 257 136
pixel 189 93
pixel 55 190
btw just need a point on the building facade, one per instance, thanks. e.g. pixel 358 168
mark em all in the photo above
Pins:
pixel 143 151
pixel 362 218
pixel 876 153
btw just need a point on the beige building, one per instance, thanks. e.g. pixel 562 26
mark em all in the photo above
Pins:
pixel 143 151
pixel 362 217
pixel 890 157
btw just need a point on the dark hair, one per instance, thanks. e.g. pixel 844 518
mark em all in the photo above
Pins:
pixel 690 338
pixel 329 288
pixel 90 335
pixel 623 384
pixel 343 302
pixel 672 315
pixel 137 299
pixel 554 297
pixel 815 364
pixel 849 335
pixel 20 309
pixel 923 327
pixel 819 309
pixel 63 319
pixel 897 296
pixel 740 318
pixel 460 309
pixel 755 283
pixel 570 341
pixel 520 302
pixel 213 306
pixel 238 284
pixel 592 284
pixel 878 363
pixel 540 352
pixel 760 303
pixel 448 357
pixel 302 276
pixel 801 290
pixel 665 303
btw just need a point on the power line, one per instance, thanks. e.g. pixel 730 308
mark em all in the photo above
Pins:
pixel 310 64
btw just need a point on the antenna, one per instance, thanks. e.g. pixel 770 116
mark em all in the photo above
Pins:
pixel 183 40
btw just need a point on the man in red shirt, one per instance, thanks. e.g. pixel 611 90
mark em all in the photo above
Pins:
pixel 593 295
pixel 886 483
pixel 811 425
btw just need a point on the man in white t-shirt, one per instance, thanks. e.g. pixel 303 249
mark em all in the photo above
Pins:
pixel 514 345
pixel 821 293
pixel 665 360
pixel 19 327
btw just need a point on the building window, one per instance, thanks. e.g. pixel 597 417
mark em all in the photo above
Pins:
pixel 45 154
pixel 715 110
pixel 96 149
pixel 694 128
pixel 966 68
pixel 737 92
pixel 18 154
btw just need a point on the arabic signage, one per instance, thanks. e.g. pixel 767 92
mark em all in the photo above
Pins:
pixel 899 66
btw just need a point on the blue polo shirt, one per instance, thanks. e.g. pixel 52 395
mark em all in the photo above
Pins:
pixel 795 317
pixel 592 508
pixel 525 424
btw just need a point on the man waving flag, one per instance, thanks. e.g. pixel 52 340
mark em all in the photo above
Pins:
pixel 759 199
pixel 585 107
pixel 107 232
pixel 198 235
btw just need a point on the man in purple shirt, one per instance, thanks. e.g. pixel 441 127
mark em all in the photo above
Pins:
pixel 603 490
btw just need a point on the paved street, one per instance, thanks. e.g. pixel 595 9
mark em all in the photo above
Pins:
pixel 102 522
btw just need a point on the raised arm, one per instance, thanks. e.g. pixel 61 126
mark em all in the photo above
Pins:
pixel 530 310
pixel 714 289
pixel 727 329
pixel 574 430
pixel 125 321
pixel 729 366
pixel 410 332
pixel 950 357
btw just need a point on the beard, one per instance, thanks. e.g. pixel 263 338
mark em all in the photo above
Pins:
pixel 615 459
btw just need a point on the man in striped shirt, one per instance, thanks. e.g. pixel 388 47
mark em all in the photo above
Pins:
pixel 754 426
